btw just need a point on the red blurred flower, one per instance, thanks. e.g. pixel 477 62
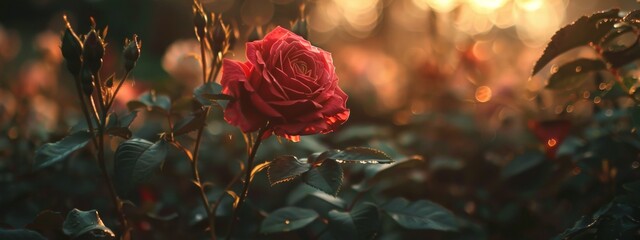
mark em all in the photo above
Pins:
pixel 287 83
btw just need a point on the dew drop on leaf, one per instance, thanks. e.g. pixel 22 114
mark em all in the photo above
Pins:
pixel 602 86
pixel 570 108
pixel 608 112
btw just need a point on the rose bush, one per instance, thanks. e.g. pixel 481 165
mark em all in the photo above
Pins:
pixel 287 83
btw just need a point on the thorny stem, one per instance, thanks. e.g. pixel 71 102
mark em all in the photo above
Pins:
pixel 196 178
pixel 85 112
pixel 101 158
pixel 203 58
pixel 218 67
pixel 113 98
pixel 247 178
pixel 214 208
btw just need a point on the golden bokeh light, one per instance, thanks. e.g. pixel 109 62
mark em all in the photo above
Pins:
pixel 483 94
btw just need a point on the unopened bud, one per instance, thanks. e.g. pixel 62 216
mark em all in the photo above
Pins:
pixel 86 80
pixel 71 49
pixel 300 28
pixel 199 19
pixel 219 36
pixel 131 52
pixel 93 51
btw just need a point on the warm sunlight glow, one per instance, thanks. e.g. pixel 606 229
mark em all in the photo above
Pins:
pixel 484 6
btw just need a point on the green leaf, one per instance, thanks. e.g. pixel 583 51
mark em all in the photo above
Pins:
pixel 192 122
pixel 207 93
pixel 46 221
pixel 135 160
pixel 421 214
pixel 363 222
pixel 620 46
pixel 395 170
pixel 326 177
pixel 152 102
pixel 20 234
pixel 586 30
pixel 361 155
pixel 287 219
pixel 522 163
pixel 51 153
pixel 572 74
pixel 79 222
pixel 285 168
pixel 120 126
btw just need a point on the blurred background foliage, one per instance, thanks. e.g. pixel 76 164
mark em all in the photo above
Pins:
pixel 448 80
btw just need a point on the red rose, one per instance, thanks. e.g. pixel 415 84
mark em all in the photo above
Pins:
pixel 287 83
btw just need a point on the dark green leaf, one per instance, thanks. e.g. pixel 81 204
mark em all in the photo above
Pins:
pixel 47 221
pixel 421 214
pixel 120 126
pixel 51 153
pixel 152 102
pixel 361 223
pixel 285 168
pixel 80 222
pixel 572 74
pixel 192 122
pixel 626 54
pixel 361 155
pixel 587 29
pixel 135 160
pixel 20 234
pixel 209 88
pixel 395 170
pixel 327 177
pixel 287 219
pixel 522 163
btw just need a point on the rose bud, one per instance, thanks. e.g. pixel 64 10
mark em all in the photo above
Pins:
pixel 131 52
pixel 287 84
pixel 219 36
pixel 199 20
pixel 300 28
pixel 86 80
pixel 233 36
pixel 71 49
pixel 93 51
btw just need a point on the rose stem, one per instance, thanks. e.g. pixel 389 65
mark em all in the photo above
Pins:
pixel 196 178
pixel 113 98
pixel 203 58
pixel 85 112
pixel 101 160
pixel 194 161
pixel 247 178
